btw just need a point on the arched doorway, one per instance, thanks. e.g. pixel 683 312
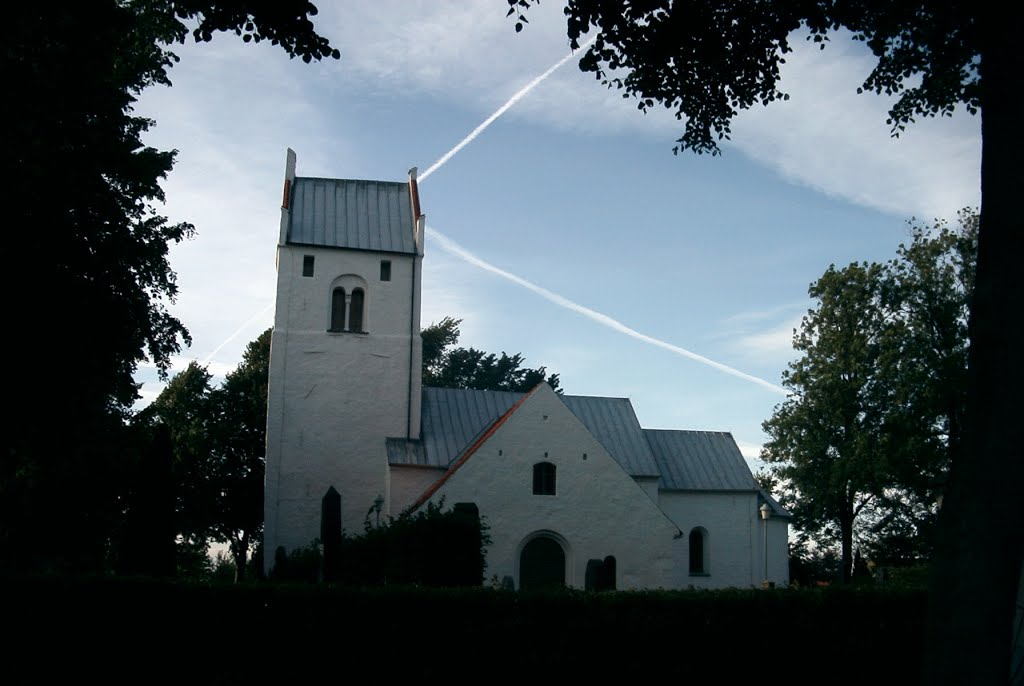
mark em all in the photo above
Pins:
pixel 541 564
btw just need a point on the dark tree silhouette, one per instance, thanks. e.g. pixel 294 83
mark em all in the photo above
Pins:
pixel 88 299
pixel 449 367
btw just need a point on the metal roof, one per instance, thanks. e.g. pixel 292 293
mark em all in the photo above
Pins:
pixel 453 417
pixel 364 215
pixel 699 461
pixel 613 423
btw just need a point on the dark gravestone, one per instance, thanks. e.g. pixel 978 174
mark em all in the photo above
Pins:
pixel 592 582
pixel 606 575
pixel 469 554
pixel 330 535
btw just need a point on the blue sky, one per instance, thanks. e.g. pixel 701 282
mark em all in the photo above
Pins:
pixel 572 189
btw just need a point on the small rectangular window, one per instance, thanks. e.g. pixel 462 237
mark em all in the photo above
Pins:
pixel 307 265
pixel 385 270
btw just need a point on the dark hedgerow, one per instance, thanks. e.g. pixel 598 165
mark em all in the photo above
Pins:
pixel 431 547
pixel 796 636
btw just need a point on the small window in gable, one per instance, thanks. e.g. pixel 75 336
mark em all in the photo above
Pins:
pixel 385 270
pixel 307 265
pixel 338 309
pixel 543 478
pixel 355 314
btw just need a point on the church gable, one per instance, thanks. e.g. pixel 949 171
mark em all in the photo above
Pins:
pixel 538 472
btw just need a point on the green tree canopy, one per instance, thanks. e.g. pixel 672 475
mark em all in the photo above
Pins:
pixel 878 397
pixel 450 367
pixel 218 439
pixel 826 432
pixel 238 453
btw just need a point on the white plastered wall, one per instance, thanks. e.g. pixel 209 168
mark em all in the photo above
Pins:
pixel 598 510
pixel 733 541
pixel 409 483
pixel 334 397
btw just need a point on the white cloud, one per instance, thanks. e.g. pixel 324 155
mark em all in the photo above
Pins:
pixel 826 137
pixel 832 139
pixel 751 451
pixel 769 345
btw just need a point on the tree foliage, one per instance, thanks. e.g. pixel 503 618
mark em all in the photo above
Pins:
pixel 707 61
pixel 878 397
pixel 450 367
pixel 432 546
pixel 83 193
pixel 239 436
pixel 218 438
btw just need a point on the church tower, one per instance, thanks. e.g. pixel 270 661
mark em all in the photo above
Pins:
pixel 346 355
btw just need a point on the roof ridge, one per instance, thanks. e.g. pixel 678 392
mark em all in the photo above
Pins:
pixel 330 178
pixel 470 451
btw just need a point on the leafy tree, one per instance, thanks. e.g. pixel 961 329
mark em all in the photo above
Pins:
pixel 826 433
pixel 82 191
pixel 238 456
pixel 218 438
pixel 878 397
pixel 183 411
pixel 449 367
pixel 706 61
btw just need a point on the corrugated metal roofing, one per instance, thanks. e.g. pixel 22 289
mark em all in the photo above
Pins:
pixel 364 215
pixel 685 460
pixel 614 424
pixel 699 460
pixel 453 417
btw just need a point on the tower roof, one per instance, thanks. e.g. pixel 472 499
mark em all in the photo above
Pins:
pixel 358 215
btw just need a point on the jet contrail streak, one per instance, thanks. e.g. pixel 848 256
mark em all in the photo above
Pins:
pixel 239 330
pixel 450 246
pixel 500 111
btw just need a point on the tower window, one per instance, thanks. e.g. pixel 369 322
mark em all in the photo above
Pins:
pixel 307 265
pixel 385 270
pixel 543 478
pixel 348 304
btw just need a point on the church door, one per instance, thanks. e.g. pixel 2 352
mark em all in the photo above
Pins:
pixel 541 565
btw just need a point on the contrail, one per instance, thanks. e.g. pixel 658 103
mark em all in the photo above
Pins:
pixel 450 246
pixel 239 330
pixel 500 111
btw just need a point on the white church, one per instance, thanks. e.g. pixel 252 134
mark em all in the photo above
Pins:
pixel 573 490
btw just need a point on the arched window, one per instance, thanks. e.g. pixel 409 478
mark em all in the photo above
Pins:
pixel 355 311
pixel 543 478
pixel 699 551
pixel 348 304
pixel 338 309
